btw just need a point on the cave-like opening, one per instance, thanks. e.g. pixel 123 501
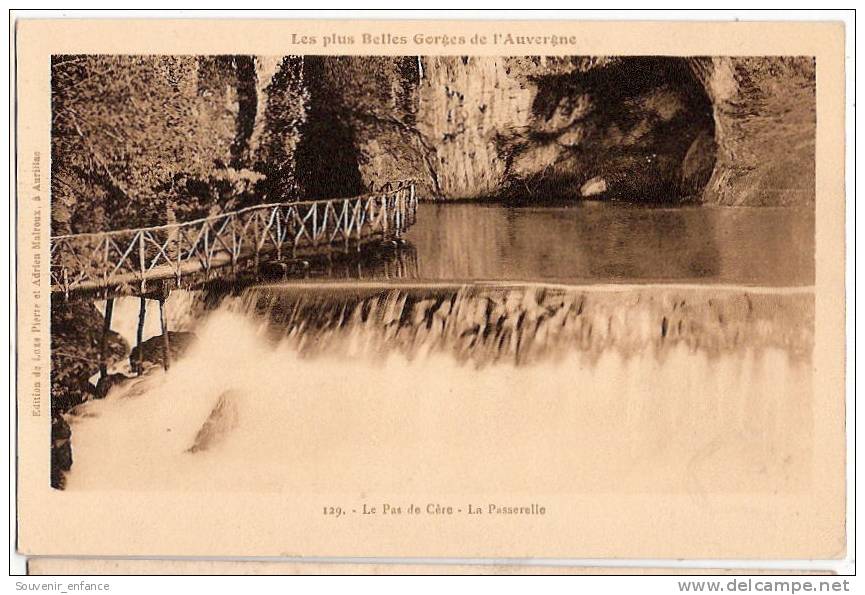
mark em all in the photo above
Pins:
pixel 639 129
pixel 634 129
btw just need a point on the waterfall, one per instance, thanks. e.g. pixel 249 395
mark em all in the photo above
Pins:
pixel 526 323
pixel 292 388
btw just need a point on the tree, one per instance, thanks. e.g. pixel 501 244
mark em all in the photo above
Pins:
pixel 138 140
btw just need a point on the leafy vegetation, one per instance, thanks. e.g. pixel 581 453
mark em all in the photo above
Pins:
pixel 144 140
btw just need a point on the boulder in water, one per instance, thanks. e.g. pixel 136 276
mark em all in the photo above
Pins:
pixel 222 419
pixel 106 383
pixel 151 349
pixel 595 186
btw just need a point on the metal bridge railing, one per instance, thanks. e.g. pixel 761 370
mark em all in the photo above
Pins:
pixel 293 229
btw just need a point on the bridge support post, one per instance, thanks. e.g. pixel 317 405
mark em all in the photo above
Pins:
pixel 103 345
pixel 142 313
pixel 166 348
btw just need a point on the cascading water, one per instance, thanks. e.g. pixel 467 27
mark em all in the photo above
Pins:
pixel 448 389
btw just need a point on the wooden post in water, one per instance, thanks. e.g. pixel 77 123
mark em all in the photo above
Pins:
pixel 142 261
pixel 398 212
pixel 142 312
pixel 413 202
pixel 166 348
pixel 103 345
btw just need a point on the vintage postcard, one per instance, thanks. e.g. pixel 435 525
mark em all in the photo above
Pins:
pixel 559 289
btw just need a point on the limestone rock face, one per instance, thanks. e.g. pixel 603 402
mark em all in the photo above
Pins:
pixel 467 108
pixel 528 128
pixel 765 125
pixel 735 131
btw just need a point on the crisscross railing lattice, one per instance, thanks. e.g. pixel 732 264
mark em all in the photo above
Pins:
pixel 280 230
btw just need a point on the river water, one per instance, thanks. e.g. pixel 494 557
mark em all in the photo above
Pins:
pixel 675 378
pixel 598 242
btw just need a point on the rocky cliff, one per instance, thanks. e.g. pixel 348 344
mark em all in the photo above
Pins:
pixel 765 129
pixel 731 131
pixel 734 131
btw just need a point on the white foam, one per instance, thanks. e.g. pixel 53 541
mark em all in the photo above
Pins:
pixel 325 424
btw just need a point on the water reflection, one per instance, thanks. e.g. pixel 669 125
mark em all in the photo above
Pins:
pixel 599 242
pixel 588 242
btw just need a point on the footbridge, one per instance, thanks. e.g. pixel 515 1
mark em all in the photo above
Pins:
pixel 135 258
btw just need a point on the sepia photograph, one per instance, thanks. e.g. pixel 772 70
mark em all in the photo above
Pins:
pixel 331 291
pixel 242 245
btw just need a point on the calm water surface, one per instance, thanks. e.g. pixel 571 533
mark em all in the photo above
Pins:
pixel 607 242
